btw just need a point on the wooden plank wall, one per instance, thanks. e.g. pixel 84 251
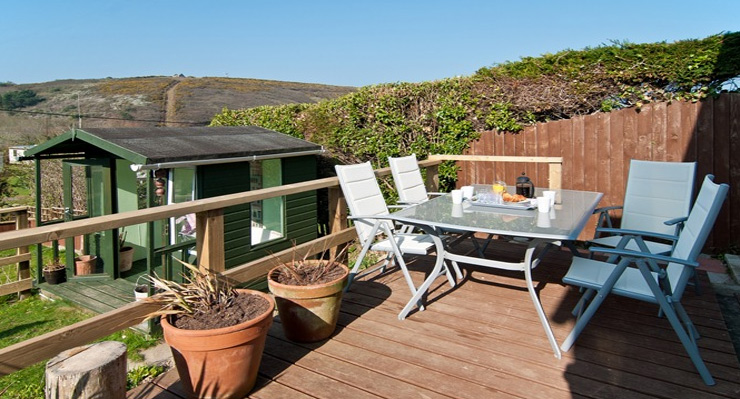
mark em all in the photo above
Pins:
pixel 597 150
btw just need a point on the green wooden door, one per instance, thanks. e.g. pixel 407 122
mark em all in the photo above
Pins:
pixel 92 178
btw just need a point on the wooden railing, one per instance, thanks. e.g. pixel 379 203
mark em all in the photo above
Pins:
pixel 22 256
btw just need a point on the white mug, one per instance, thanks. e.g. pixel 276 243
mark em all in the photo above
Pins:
pixel 551 195
pixel 457 196
pixel 543 204
pixel 468 191
pixel 543 220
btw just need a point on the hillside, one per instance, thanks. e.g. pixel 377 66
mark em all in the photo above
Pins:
pixel 145 101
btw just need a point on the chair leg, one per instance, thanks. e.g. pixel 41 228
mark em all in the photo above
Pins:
pixel 594 305
pixel 407 276
pixel 448 273
pixel 386 262
pixel 356 267
pixel 675 314
pixel 689 325
pixel 688 343
pixel 458 272
pixel 695 282
pixel 583 302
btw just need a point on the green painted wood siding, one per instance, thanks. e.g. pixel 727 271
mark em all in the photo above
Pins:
pixel 301 221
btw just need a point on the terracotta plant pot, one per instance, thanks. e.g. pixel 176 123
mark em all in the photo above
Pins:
pixel 125 259
pixel 222 362
pixel 308 313
pixel 55 276
pixel 85 264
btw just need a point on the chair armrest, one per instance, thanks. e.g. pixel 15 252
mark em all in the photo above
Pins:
pixel 607 209
pixel 671 222
pixel 624 232
pixel 678 222
pixel 377 217
pixel 436 194
pixel 605 218
pixel 644 255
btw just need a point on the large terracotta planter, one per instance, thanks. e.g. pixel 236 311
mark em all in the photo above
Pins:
pixel 85 264
pixel 222 362
pixel 308 313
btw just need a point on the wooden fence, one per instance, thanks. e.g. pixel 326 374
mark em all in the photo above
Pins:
pixel 596 151
pixel 22 258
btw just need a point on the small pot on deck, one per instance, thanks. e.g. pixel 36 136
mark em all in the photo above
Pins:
pixel 55 276
pixel 125 259
pixel 85 264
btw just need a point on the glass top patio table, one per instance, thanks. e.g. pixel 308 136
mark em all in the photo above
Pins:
pixel 565 220
pixel 563 223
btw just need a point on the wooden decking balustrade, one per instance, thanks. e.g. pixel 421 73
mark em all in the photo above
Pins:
pixel 481 339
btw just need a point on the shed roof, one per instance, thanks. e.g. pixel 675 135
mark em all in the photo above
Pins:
pixel 157 145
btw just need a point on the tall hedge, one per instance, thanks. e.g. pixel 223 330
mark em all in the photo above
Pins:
pixel 443 116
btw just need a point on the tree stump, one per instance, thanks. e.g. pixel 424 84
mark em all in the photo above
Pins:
pixel 87 372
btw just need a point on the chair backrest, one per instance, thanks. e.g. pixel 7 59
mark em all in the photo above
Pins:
pixel 694 234
pixel 363 196
pixel 407 178
pixel 656 192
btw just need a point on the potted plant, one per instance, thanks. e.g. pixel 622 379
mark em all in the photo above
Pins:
pixel 85 264
pixel 141 289
pixel 308 294
pixel 54 272
pixel 125 253
pixel 216 333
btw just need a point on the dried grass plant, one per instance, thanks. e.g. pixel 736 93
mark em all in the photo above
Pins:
pixel 309 271
pixel 202 292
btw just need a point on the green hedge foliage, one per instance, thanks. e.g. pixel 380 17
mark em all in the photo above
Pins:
pixel 443 116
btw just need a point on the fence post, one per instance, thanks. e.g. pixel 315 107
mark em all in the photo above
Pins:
pixel 210 240
pixel 432 178
pixel 24 267
pixel 337 221
pixel 555 175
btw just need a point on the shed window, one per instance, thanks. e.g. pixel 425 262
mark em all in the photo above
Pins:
pixel 267 215
pixel 182 189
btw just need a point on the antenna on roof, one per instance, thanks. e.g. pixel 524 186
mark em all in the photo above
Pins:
pixel 79 115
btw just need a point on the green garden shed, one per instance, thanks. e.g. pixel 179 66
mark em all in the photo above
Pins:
pixel 111 170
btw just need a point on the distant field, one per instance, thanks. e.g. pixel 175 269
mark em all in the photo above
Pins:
pixel 146 101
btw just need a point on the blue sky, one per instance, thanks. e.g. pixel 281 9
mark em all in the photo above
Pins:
pixel 351 43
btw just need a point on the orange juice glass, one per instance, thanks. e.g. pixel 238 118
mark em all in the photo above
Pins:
pixel 499 187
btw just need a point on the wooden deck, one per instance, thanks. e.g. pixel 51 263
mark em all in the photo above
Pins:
pixel 482 339
pixel 98 293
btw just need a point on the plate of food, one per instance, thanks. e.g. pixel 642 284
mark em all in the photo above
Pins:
pixel 514 198
pixel 510 201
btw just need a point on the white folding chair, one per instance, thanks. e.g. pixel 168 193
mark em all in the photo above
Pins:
pixel 408 181
pixel 649 281
pixel 369 213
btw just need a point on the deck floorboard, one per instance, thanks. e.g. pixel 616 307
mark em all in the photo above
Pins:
pixel 482 339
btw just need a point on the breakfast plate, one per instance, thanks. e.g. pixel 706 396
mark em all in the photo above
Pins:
pixel 525 204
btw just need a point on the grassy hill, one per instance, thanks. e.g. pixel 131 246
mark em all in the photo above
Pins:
pixel 145 101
